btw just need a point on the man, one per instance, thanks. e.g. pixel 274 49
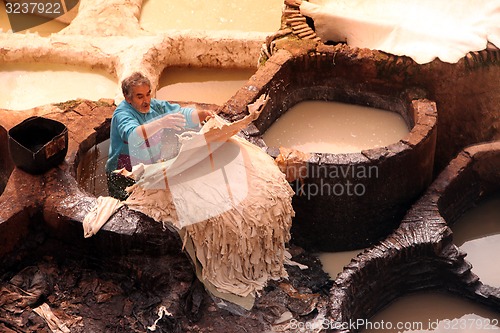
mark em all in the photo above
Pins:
pixel 137 128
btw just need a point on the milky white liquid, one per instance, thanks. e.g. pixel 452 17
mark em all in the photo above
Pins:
pixel 434 312
pixel 333 127
pixel 477 233
pixel 202 85
pixel 242 15
pixel 27 85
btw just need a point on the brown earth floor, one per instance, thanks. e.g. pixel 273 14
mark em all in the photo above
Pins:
pixel 93 293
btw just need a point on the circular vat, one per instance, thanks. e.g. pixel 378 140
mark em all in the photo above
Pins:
pixel 350 200
pixel 335 128
pixel 470 205
pixel 41 18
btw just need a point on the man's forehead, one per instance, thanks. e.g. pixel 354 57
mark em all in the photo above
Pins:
pixel 141 89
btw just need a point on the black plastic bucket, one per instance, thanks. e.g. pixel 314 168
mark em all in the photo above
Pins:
pixel 38 144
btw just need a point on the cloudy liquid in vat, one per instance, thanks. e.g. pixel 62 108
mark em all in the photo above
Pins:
pixel 243 15
pixel 27 85
pixel 434 312
pixel 477 233
pixel 333 127
pixel 201 85
pixel 333 262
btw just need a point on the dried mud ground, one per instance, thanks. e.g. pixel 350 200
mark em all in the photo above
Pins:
pixel 92 292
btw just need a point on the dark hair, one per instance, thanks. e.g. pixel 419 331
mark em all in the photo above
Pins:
pixel 133 80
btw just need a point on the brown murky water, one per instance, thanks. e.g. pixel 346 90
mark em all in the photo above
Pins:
pixel 477 233
pixel 433 312
pixel 334 262
pixel 202 85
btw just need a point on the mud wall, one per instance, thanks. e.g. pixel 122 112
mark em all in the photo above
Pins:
pixel 420 254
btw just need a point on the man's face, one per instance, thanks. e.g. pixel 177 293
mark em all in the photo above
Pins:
pixel 141 98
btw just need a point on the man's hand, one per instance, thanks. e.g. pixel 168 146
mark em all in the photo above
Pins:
pixel 174 121
pixel 293 3
pixel 204 115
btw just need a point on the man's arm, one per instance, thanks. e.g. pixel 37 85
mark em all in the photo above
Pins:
pixel 175 117
pixel 175 121
pixel 199 116
pixel 193 116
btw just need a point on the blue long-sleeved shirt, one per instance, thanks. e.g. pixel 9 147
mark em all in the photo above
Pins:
pixel 128 148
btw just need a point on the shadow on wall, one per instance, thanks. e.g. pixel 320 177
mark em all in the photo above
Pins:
pixel 91 173
pixel 6 164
